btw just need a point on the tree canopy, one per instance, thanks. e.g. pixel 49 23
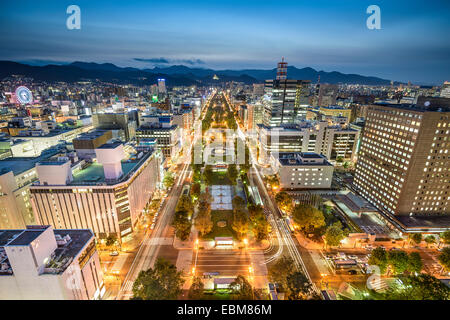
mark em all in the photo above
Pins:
pixel 196 290
pixel 162 282
pixel 241 289
pixel 284 201
pixel 308 217
pixel 420 287
pixel 335 234
pixel 168 180
pixel 444 258
pixel 182 225
pixel 298 286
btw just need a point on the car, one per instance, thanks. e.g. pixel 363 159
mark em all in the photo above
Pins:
pixel 352 272
pixel 353 257
pixel 114 253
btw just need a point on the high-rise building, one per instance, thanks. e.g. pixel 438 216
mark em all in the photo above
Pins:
pixel 285 100
pixel 403 163
pixel 162 86
pixel 42 263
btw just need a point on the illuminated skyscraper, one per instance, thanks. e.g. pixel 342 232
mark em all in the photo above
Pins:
pixel 284 98
pixel 162 86
pixel 403 164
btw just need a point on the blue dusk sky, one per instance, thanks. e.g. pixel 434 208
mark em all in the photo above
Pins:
pixel 413 43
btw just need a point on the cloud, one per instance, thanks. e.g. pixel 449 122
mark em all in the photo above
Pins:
pixel 170 61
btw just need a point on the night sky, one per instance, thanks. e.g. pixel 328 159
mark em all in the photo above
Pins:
pixel 413 43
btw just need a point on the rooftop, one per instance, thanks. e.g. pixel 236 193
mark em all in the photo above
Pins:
pixel 302 158
pixel 70 242
pixel 21 164
pixel 433 107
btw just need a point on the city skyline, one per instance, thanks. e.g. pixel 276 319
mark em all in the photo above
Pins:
pixel 324 35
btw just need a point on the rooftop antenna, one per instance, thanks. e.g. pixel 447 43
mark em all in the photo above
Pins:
pixel 282 70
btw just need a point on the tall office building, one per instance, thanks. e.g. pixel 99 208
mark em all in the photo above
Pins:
pixel 285 100
pixel 403 164
pixel 162 86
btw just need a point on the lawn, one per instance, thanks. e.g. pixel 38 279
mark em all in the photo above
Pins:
pixel 221 215
pixel 220 178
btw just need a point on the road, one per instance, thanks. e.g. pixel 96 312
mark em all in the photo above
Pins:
pixel 160 235
pixel 159 241
pixel 284 238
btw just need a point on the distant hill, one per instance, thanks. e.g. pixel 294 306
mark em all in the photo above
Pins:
pixel 174 75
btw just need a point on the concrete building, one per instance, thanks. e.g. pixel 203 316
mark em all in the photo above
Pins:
pixel 122 124
pixel 334 142
pixel 168 136
pixel 41 140
pixel 403 164
pixel 16 177
pixel 85 144
pixel 285 99
pixel 107 196
pixel 303 170
pixel 40 263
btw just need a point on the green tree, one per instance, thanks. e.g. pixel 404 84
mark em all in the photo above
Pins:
pixel 445 237
pixel 168 180
pixel 238 203
pixel 111 240
pixel 284 201
pixel 185 204
pixel 308 218
pixel 163 282
pixel 197 289
pixel 334 234
pixel 254 211
pixel 232 173
pixel 261 227
pixel 298 286
pixel 420 287
pixel 240 223
pixel 241 289
pixel 279 271
pixel 398 260
pixel 415 264
pixel 378 257
pixel 208 174
pixel 203 222
pixel 430 239
pixel 182 225
pixel 444 258
pixel 195 190
pixel 416 238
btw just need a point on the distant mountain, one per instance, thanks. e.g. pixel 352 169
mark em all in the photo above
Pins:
pixel 175 75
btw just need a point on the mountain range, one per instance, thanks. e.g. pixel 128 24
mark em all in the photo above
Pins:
pixel 174 75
